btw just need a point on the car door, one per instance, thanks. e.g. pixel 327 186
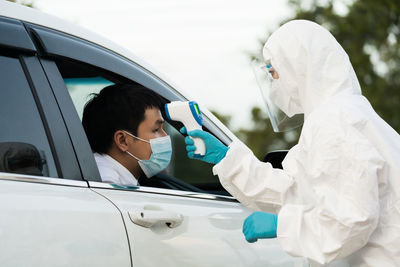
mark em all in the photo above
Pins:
pixel 49 215
pixel 185 223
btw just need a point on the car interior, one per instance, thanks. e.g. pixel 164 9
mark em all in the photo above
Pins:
pixel 82 80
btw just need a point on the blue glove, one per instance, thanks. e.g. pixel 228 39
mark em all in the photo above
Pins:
pixel 260 225
pixel 215 150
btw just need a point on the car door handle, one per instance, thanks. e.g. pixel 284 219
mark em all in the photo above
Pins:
pixel 151 215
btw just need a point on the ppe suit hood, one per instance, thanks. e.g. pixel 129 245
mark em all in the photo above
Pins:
pixel 311 64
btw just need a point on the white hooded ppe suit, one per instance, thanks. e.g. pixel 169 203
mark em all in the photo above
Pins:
pixel 338 195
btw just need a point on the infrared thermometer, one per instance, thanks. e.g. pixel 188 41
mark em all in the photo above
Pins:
pixel 189 114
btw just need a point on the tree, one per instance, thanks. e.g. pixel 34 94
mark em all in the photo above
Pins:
pixel 23 2
pixel 369 32
pixel 261 139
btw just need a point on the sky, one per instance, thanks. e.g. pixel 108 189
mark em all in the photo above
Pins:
pixel 202 46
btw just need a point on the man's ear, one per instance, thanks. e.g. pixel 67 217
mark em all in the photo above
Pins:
pixel 120 140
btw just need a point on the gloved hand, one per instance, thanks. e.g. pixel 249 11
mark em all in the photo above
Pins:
pixel 215 150
pixel 260 225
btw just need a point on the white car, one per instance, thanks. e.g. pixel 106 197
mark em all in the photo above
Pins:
pixel 54 209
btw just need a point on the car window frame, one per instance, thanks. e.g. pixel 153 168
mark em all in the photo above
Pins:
pixel 57 134
pixel 17 36
pixel 91 54
pixel 54 44
pixel 20 46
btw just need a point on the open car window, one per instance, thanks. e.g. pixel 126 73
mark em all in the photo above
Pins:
pixel 183 173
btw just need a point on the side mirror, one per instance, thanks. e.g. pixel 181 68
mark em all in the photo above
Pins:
pixel 276 158
pixel 19 157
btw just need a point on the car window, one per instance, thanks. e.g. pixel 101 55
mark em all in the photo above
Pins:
pixel 194 172
pixel 24 147
pixel 81 89
pixel 82 81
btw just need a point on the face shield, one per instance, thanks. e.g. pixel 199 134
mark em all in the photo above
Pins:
pixel 275 100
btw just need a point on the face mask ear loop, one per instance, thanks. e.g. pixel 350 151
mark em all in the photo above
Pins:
pixel 130 154
pixel 128 133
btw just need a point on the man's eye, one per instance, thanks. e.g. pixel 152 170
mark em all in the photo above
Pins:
pixel 155 130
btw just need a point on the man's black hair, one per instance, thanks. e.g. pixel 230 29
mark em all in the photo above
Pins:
pixel 116 107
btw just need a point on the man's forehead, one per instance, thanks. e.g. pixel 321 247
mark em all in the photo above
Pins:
pixel 153 116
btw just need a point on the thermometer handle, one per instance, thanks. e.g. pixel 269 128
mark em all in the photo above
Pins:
pixel 200 146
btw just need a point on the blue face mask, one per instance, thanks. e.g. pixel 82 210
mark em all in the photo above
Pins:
pixel 161 151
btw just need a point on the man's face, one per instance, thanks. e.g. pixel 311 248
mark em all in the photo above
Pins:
pixel 151 127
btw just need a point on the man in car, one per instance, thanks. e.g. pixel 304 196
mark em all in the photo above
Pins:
pixel 124 127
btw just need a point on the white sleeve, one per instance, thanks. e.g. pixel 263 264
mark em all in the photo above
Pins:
pixel 342 169
pixel 255 184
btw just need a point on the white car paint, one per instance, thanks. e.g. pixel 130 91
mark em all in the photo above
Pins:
pixel 51 225
pixel 210 233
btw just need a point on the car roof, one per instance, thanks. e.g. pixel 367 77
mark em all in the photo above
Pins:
pixel 31 15
pixel 34 16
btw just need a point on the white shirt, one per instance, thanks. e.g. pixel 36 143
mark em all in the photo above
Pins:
pixel 113 172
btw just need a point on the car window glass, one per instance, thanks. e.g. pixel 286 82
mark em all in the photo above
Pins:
pixel 24 147
pixel 81 89
pixel 183 173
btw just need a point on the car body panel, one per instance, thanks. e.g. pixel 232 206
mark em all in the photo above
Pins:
pixel 209 235
pixel 45 223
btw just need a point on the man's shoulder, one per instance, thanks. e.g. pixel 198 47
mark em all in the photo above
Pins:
pixel 106 169
pixel 100 158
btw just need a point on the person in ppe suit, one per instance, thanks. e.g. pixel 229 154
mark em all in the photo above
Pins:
pixel 337 198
